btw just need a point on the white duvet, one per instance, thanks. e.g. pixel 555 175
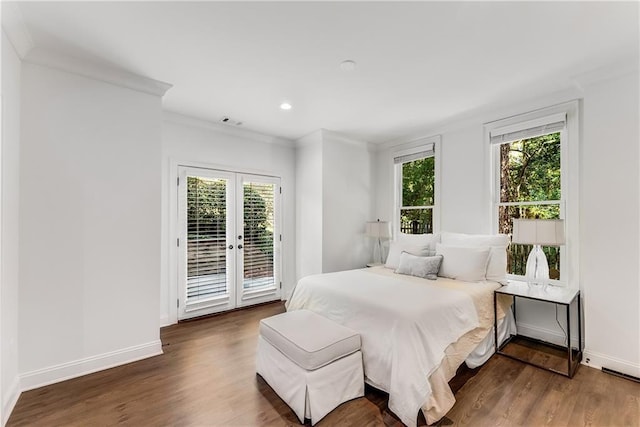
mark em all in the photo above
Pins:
pixel 405 324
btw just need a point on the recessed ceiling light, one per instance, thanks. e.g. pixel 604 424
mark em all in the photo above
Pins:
pixel 348 65
pixel 285 106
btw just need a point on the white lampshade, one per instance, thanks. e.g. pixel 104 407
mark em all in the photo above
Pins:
pixel 543 232
pixel 378 229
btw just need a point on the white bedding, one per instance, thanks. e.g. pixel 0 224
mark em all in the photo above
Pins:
pixel 406 324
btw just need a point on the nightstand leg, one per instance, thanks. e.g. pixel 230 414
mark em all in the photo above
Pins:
pixel 579 325
pixel 495 320
pixel 569 351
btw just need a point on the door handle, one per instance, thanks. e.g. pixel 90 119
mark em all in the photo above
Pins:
pixel 239 246
pixel 230 246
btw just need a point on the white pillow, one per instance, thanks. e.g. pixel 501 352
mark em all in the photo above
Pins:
pixel 396 248
pixel 415 244
pixel 497 266
pixel 468 264
pixel 474 240
pixel 429 240
pixel 425 267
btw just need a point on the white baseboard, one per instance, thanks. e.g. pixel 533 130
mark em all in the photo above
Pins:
pixel 589 358
pixel 88 365
pixel 164 321
pixel 548 335
pixel 10 400
pixel 599 361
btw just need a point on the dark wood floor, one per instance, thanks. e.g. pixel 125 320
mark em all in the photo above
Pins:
pixel 206 378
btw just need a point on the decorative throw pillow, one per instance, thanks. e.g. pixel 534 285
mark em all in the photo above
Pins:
pixel 468 264
pixel 497 266
pixel 425 267
pixel 415 244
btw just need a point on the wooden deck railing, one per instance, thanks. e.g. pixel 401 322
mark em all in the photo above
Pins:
pixel 517 259
pixel 209 256
pixel 416 227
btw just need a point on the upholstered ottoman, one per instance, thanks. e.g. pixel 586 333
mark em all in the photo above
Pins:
pixel 311 362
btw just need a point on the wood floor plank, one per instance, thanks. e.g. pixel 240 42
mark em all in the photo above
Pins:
pixel 206 377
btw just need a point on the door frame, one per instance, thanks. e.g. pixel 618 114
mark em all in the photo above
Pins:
pixel 170 284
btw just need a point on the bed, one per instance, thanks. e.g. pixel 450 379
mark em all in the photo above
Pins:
pixel 415 332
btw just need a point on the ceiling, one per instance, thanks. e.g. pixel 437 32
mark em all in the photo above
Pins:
pixel 418 63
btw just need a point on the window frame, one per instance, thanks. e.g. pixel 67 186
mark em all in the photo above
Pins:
pixel 569 179
pixel 423 144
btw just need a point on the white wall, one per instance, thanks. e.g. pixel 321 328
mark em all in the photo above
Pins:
pixel 465 207
pixel 309 208
pixel 462 205
pixel 609 217
pixel 347 202
pixel 10 157
pixel 89 225
pixel 334 200
pixel 189 140
pixel 610 233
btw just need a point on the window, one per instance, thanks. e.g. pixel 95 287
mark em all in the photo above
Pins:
pixel 530 182
pixel 416 190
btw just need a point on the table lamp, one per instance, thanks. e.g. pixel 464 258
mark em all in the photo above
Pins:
pixel 538 232
pixel 378 230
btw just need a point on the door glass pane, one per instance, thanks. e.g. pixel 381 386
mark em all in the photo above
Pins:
pixel 259 226
pixel 206 238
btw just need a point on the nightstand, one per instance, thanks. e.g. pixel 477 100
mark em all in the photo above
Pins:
pixel 559 296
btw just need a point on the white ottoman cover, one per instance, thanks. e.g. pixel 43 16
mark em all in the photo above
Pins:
pixel 312 363
pixel 309 339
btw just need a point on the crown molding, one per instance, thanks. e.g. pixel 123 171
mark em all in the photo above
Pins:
pixel 343 139
pixel 314 137
pixel 97 71
pixel 15 29
pixel 487 113
pixel 567 90
pixel 321 135
pixel 181 119
pixel 607 72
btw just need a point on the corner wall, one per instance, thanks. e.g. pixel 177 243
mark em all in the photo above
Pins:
pixel 89 225
pixel 10 216
pixel 309 207
pixel 333 200
pixel 610 216
pixel 347 200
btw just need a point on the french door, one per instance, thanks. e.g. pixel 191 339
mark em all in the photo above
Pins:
pixel 229 244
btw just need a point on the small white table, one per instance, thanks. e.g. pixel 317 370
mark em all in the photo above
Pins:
pixel 551 294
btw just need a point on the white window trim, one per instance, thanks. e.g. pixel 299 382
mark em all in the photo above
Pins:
pixel 569 175
pixel 422 144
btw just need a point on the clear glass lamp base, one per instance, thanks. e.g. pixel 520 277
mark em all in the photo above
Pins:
pixel 377 252
pixel 537 270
